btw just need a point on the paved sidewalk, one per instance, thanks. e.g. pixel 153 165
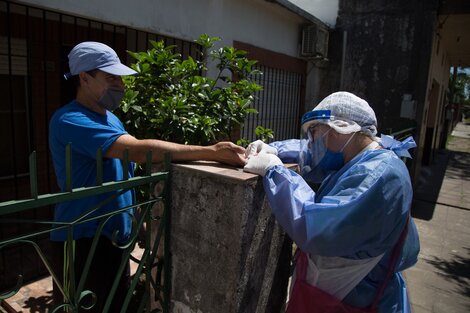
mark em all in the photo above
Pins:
pixel 440 281
pixel 36 297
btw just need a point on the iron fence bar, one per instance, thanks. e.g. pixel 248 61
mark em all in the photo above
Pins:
pixel 277 104
pixel 156 245
pixel 29 104
pixel 125 162
pixel 65 225
pixel 293 105
pixel 46 82
pixel 270 99
pixel 289 107
pixel 68 167
pixel 99 166
pixel 167 253
pixel 134 281
pixel 262 103
pixel 299 102
pixel 265 96
pixel 285 105
pixel 70 249
pixel 33 176
pixel 119 272
pixel 283 88
pixel 47 199
pixel 140 268
pixel 143 302
pixel 10 94
pixel 148 164
pixel 403 131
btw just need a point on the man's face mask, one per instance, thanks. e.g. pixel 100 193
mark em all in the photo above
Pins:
pixel 111 99
pixel 317 161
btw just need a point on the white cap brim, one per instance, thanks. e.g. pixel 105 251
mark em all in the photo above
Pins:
pixel 118 69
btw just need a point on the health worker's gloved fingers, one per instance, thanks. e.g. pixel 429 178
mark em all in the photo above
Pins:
pixel 261 163
pixel 259 146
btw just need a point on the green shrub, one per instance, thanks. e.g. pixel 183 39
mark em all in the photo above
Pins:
pixel 171 100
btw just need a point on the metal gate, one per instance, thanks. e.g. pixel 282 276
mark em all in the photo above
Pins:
pixel 156 292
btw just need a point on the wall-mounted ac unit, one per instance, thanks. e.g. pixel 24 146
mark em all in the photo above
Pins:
pixel 314 42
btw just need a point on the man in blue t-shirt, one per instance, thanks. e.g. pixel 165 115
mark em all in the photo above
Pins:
pixel 89 124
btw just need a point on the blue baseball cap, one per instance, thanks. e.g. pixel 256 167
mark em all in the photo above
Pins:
pixel 90 55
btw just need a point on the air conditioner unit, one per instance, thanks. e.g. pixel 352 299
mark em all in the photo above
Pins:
pixel 314 42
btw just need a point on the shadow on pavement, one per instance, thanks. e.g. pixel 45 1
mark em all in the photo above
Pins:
pixel 426 191
pixel 459 166
pixel 40 304
pixel 457 269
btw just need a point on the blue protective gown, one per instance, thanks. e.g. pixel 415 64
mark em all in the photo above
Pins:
pixel 358 212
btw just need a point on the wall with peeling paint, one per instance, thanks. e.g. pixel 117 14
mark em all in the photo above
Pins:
pixel 386 47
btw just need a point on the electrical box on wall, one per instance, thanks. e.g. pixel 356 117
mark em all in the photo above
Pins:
pixel 408 107
pixel 314 42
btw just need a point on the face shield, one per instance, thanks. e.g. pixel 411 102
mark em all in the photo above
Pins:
pixel 316 161
pixel 313 145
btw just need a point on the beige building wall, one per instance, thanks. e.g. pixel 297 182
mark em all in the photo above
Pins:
pixel 438 82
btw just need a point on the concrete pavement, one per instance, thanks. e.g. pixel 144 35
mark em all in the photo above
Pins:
pixel 440 281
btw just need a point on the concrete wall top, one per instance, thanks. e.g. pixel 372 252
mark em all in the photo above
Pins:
pixel 223 171
pixel 219 170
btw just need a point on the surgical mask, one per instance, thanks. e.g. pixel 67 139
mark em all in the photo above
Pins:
pixel 111 99
pixel 317 161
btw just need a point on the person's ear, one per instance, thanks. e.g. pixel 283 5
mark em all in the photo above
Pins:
pixel 83 77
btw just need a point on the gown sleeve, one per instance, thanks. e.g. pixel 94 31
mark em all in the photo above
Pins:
pixel 361 215
pixel 288 150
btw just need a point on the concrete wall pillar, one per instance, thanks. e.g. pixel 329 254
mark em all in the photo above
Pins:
pixel 228 252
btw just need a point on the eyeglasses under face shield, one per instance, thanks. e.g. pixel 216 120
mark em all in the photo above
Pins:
pixel 311 120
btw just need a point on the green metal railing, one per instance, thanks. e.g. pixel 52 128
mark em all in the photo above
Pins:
pixel 154 267
pixel 403 133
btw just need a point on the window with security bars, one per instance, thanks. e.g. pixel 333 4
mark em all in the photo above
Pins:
pixel 13 107
pixel 278 104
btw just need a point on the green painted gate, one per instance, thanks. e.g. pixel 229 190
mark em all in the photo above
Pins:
pixel 154 293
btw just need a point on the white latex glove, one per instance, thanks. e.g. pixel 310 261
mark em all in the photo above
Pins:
pixel 259 146
pixel 261 163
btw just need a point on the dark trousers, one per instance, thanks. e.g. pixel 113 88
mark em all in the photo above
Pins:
pixel 101 275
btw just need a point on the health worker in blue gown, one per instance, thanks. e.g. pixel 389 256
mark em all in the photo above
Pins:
pixel 350 226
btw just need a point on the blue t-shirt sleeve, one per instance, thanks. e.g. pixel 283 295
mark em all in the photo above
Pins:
pixel 87 134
